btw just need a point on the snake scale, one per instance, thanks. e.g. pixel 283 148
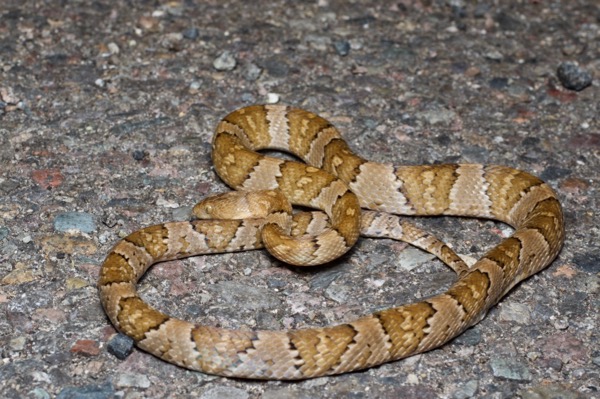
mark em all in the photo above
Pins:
pixel 336 181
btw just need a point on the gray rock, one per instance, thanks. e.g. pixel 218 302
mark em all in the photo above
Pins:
pixel 550 392
pixel 74 221
pixel 515 312
pixel 510 369
pixel 225 393
pixel 466 391
pixel 573 77
pixel 120 346
pixel 191 33
pixel 4 232
pixel 133 380
pixel 251 71
pixel 225 62
pixel 104 391
pixel 342 47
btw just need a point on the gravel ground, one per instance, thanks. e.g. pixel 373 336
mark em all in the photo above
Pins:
pixel 106 113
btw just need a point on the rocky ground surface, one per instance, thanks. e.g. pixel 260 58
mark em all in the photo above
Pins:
pixel 106 115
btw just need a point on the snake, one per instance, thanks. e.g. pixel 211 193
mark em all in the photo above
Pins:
pixel 351 197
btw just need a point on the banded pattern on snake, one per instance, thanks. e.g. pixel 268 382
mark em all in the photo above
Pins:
pixel 336 181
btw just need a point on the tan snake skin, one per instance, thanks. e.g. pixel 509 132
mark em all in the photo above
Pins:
pixel 486 191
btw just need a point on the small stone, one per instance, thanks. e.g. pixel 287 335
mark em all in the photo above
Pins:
pixel 18 276
pixel 191 33
pixel 510 369
pixel 550 391
pixel 18 343
pixel 498 83
pixel 272 98
pixel 139 155
pixel 100 82
pixel 225 392
pixel 120 346
pixel 225 62
pixel 251 72
pixel 342 47
pixel 172 41
pixel 69 222
pixel 104 391
pixel 131 380
pixel 74 283
pixel 47 178
pixel 4 232
pixel 195 85
pixel 113 48
pixel 573 77
pixel 182 213
pixel 494 55
pixel 86 347
pixel 516 312
pixel 467 390
pixel 166 203
pixel 561 324
pixel 471 337
pixel 39 393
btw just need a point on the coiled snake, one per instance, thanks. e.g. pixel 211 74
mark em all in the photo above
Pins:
pixel 339 183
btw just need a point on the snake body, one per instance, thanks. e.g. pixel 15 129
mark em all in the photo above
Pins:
pixel 339 183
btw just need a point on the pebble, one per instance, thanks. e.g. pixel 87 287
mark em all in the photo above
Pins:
pixel 516 312
pixel 546 391
pixel 494 55
pixel 4 232
pixel 573 77
pixel 225 393
pixel 251 72
pixel 113 48
pixel 225 62
pixel 272 98
pixel 74 222
pixel 498 83
pixel 18 343
pixel 104 391
pixel 86 347
pixel 510 369
pixel 467 390
pixel 39 393
pixel 191 33
pixel 195 85
pixel 120 346
pixel 172 41
pixel 342 47
pixel 133 380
